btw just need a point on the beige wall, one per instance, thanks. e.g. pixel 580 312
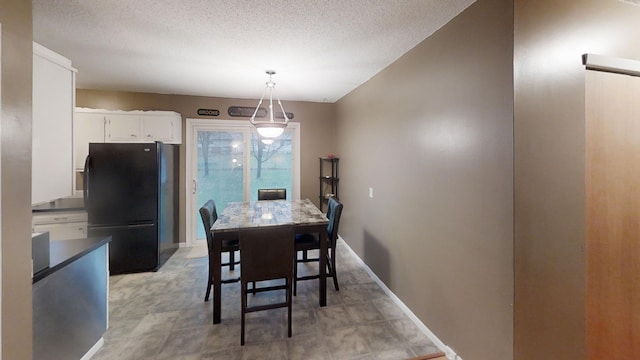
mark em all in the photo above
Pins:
pixel 317 127
pixel 432 134
pixel 15 181
pixel 550 37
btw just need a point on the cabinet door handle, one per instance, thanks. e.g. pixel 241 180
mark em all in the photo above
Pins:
pixel 195 187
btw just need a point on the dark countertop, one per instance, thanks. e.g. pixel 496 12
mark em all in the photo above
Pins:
pixel 64 252
pixel 63 204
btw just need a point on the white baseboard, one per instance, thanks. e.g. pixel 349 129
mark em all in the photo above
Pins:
pixel 192 244
pixel 451 355
pixel 94 349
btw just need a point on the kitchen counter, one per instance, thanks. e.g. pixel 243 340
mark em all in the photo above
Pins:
pixel 70 300
pixel 62 204
pixel 64 252
pixel 63 218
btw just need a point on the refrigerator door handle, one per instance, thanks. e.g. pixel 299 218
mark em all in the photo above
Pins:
pixel 194 189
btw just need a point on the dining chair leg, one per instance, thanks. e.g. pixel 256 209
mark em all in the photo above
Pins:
pixel 295 274
pixel 209 283
pixel 206 295
pixel 289 303
pixel 334 274
pixel 243 305
pixel 232 260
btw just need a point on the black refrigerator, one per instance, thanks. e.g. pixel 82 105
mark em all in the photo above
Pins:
pixel 130 194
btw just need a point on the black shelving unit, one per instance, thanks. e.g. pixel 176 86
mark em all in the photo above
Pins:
pixel 328 179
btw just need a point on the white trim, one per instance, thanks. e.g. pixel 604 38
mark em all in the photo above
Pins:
pixel 451 355
pixel 611 64
pixel 94 349
pixel 52 56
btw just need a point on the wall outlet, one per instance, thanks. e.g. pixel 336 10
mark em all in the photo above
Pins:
pixel 371 192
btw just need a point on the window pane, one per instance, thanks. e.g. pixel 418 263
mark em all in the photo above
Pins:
pixel 220 169
pixel 271 164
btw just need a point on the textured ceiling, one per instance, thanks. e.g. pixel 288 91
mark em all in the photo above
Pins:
pixel 320 49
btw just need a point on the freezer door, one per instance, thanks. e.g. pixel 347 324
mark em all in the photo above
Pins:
pixel 132 248
pixel 122 183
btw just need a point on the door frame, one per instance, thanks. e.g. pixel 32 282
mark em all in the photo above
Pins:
pixel 191 133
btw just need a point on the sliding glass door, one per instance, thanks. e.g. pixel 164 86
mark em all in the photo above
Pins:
pixel 229 162
pixel 271 165
pixel 220 171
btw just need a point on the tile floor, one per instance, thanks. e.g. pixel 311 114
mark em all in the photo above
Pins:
pixel 162 315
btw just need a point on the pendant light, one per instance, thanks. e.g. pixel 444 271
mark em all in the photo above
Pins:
pixel 270 128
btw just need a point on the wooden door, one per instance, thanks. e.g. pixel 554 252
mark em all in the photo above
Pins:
pixel 612 175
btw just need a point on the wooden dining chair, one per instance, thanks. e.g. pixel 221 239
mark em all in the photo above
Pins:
pixel 306 242
pixel 267 254
pixel 272 194
pixel 209 215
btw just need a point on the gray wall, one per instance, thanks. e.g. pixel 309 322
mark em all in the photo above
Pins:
pixel 15 180
pixel 432 134
pixel 550 37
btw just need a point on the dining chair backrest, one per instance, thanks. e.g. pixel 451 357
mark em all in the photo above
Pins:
pixel 267 252
pixel 209 215
pixel 334 212
pixel 272 194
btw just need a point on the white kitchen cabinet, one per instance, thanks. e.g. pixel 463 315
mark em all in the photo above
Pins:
pixel 144 127
pixel 161 128
pixel 61 225
pixel 124 128
pixel 52 126
pixel 97 125
pixel 88 127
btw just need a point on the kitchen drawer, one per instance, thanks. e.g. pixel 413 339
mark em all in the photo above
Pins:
pixel 56 217
pixel 61 225
pixel 63 231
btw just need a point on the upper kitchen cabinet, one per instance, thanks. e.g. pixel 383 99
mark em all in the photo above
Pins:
pixel 52 125
pixel 97 125
pixel 147 126
pixel 123 127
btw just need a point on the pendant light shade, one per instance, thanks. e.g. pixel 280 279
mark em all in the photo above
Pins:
pixel 270 128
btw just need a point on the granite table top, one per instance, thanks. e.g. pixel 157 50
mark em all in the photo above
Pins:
pixel 238 215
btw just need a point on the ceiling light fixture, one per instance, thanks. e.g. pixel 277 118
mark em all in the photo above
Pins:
pixel 270 128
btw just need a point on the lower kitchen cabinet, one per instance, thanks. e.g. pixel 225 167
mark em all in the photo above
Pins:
pixel 61 225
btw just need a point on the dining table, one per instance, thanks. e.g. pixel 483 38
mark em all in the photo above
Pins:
pixel 303 214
